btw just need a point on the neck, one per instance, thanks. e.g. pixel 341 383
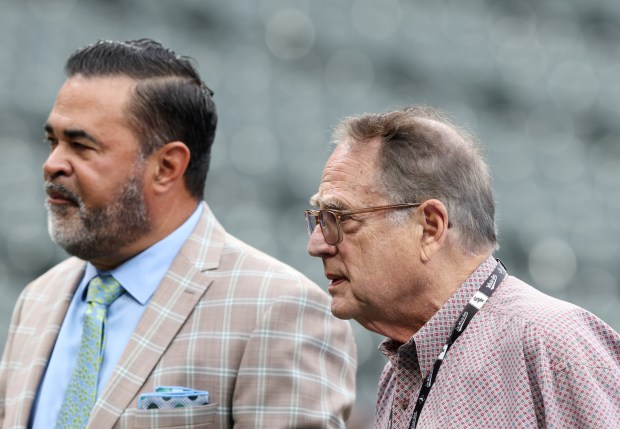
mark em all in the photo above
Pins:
pixel 164 222
pixel 441 279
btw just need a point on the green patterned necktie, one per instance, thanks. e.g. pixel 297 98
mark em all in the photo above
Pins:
pixel 82 390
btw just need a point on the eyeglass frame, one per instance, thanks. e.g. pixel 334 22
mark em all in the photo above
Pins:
pixel 344 215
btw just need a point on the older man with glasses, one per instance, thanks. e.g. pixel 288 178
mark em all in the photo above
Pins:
pixel 406 231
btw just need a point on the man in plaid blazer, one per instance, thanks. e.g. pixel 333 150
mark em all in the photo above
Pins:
pixel 130 136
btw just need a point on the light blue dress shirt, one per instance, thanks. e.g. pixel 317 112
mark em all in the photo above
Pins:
pixel 140 276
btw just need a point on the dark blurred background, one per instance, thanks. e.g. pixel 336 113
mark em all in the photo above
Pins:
pixel 537 81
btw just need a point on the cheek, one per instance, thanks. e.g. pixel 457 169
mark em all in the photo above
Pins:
pixel 97 191
pixel 388 262
pixel 363 266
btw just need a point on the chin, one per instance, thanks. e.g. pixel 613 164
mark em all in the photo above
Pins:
pixel 341 310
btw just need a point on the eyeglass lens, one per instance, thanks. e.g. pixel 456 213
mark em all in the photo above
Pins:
pixel 311 222
pixel 329 225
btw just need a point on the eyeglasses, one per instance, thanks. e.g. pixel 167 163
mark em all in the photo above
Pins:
pixel 330 219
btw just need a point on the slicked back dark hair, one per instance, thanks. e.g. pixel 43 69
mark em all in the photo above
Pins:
pixel 423 155
pixel 170 102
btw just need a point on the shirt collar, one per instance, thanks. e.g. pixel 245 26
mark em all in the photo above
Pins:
pixel 141 275
pixel 428 342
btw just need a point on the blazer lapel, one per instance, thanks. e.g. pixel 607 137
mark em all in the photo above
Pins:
pixel 174 300
pixel 49 318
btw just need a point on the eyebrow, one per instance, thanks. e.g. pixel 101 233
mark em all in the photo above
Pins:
pixel 316 201
pixel 72 134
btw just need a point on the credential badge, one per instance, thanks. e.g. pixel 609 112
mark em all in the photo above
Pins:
pixel 478 300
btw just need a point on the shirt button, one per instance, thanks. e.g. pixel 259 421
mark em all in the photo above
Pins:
pixel 405 405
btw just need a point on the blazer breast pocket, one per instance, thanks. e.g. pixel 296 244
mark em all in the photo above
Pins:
pixel 172 418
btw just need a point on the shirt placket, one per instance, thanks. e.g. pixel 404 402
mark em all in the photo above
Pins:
pixel 408 383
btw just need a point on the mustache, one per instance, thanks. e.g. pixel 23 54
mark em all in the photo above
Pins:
pixel 55 188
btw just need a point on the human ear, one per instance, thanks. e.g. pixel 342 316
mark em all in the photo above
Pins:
pixel 435 223
pixel 170 164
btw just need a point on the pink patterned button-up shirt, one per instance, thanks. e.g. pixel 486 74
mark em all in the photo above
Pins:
pixel 526 360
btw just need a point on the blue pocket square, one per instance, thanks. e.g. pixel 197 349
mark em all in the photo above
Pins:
pixel 173 397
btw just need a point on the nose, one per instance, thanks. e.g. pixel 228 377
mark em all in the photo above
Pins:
pixel 317 246
pixel 57 164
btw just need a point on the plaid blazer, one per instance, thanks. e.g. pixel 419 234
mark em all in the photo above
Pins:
pixel 255 333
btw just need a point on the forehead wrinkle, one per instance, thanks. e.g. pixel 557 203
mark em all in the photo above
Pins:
pixel 348 180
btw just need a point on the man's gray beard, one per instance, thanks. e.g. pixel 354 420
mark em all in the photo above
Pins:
pixel 91 233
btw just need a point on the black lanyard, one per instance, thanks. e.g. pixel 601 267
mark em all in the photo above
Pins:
pixel 470 310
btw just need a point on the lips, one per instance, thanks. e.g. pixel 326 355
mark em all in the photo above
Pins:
pixel 58 194
pixel 335 280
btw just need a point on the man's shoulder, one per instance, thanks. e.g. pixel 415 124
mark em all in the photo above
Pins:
pixel 211 243
pixel 241 269
pixel 55 284
pixel 521 300
pixel 245 256
pixel 239 259
pixel 64 271
pixel 564 330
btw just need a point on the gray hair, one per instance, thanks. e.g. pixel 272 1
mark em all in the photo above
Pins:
pixel 423 156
